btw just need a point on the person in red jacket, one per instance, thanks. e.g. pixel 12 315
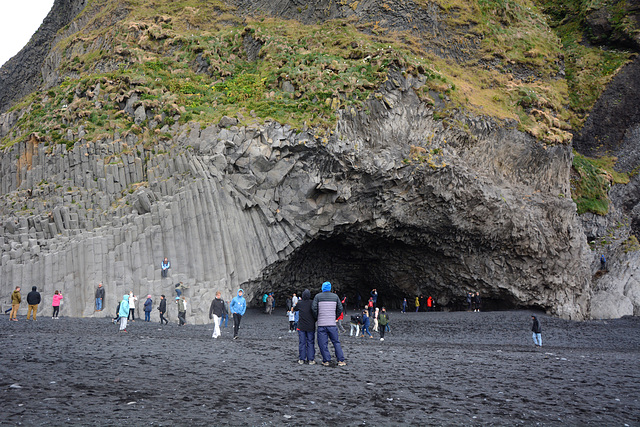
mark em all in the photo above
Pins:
pixel 429 303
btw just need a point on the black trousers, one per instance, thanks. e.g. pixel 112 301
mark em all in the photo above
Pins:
pixel 162 318
pixel 132 314
pixel 381 329
pixel 56 310
pixel 236 323
pixel 182 316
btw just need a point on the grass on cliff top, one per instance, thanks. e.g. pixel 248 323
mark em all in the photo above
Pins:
pixel 588 68
pixel 591 183
pixel 157 49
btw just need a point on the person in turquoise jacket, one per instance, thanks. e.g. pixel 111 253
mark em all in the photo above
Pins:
pixel 237 307
pixel 124 312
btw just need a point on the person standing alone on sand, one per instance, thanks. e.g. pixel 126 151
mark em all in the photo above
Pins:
pixel 33 299
pixel 162 308
pixel 57 300
pixel 216 311
pixel 326 308
pixel 537 331
pixel 306 329
pixel 99 297
pixel 124 313
pixel 16 299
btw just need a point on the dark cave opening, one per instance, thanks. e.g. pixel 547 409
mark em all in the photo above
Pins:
pixel 357 263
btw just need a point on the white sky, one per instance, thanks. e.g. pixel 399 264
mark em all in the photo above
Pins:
pixel 19 20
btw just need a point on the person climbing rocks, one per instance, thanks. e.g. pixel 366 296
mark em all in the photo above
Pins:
pixel 603 263
pixel 33 299
pixel 306 329
pixel 374 296
pixel 166 265
pixel 327 308
pixel 237 307
pixel 180 288
pixel 537 331
pixel 99 297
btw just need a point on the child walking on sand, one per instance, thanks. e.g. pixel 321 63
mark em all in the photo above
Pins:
pixel 57 300
pixel 292 319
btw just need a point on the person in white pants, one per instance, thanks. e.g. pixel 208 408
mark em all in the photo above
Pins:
pixel 216 311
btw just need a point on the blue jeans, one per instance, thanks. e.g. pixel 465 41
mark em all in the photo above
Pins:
pixel 98 304
pixel 306 345
pixel 324 334
pixel 537 339
pixel 179 292
pixel 147 316
pixel 365 329
pixel 224 318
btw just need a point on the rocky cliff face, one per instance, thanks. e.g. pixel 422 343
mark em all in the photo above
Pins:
pixel 263 207
pixel 393 197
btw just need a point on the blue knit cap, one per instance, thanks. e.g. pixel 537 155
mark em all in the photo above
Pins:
pixel 326 287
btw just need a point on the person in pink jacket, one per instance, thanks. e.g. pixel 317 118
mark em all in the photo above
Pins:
pixel 57 299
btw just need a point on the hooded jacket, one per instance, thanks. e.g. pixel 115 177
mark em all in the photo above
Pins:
pixel 100 292
pixel 306 321
pixel 217 308
pixel 124 306
pixel 238 304
pixel 16 298
pixel 148 304
pixel 33 297
pixel 163 305
pixel 326 306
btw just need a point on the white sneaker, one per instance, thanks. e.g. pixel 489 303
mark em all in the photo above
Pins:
pixel 381 339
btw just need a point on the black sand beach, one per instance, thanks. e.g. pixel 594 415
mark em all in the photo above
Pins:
pixel 432 369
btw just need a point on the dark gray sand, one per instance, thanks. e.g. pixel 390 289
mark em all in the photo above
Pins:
pixel 433 368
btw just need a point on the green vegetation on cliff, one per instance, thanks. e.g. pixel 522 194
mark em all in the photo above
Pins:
pixel 190 61
pixel 591 183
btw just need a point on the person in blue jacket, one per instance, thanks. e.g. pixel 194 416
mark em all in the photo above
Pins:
pixel 237 307
pixel 147 308
pixel 124 312
pixel 365 324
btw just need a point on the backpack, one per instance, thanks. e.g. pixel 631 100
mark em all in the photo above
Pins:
pixel 383 319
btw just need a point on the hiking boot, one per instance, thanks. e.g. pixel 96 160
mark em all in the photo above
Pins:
pixel 343 363
pixel 326 364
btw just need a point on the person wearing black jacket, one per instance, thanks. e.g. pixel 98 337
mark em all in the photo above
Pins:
pixel 33 299
pixel 99 297
pixel 537 331
pixel 216 311
pixel 162 308
pixel 306 329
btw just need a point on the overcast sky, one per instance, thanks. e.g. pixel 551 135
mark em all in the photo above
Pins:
pixel 19 20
